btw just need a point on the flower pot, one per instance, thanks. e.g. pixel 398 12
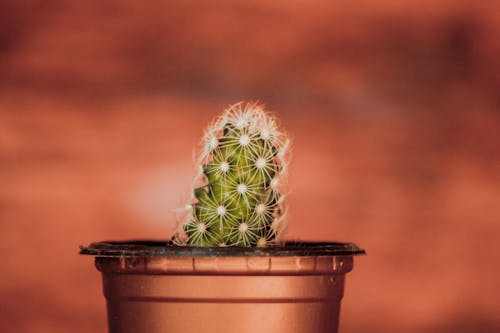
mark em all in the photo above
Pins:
pixel 151 287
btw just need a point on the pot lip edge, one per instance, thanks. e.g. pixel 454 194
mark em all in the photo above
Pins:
pixel 161 248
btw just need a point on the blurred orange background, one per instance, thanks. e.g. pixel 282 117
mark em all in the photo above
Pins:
pixel 394 110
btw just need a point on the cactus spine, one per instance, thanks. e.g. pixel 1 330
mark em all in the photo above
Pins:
pixel 237 197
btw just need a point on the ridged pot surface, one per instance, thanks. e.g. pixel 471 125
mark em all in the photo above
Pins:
pixel 295 288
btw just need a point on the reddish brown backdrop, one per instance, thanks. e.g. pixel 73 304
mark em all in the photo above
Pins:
pixel 394 109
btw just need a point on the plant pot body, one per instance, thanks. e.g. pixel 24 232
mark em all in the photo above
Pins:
pixel 282 293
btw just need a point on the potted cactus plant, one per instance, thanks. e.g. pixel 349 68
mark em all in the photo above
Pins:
pixel 227 269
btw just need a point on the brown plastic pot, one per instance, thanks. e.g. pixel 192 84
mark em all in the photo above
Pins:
pixel 151 287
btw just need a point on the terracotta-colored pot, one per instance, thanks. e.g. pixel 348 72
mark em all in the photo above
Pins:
pixel 150 287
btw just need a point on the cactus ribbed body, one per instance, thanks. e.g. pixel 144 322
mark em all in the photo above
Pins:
pixel 238 195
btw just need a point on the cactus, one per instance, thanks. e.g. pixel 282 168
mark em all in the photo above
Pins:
pixel 237 197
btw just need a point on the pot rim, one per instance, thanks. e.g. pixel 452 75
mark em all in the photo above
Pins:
pixel 162 248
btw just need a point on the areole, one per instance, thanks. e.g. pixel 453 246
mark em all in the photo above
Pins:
pixel 154 287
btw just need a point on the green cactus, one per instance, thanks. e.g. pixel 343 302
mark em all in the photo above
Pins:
pixel 238 197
